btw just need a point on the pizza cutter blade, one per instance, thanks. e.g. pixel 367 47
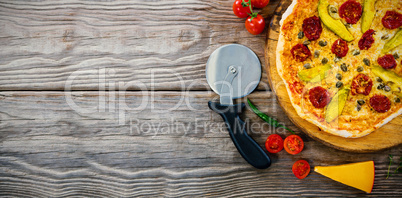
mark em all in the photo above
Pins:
pixel 234 71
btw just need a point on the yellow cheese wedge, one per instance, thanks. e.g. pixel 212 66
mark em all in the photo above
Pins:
pixel 358 175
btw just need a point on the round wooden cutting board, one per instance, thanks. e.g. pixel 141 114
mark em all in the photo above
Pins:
pixel 387 136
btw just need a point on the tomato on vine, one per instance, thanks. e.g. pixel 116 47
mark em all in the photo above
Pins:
pixel 242 8
pixel 259 3
pixel 255 23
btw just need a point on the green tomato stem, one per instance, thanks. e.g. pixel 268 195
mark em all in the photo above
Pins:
pixel 252 14
pixel 249 4
pixel 245 4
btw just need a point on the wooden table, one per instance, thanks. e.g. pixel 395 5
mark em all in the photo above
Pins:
pixel 109 98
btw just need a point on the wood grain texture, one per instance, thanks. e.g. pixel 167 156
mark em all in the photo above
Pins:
pixel 162 44
pixel 49 149
pixel 387 136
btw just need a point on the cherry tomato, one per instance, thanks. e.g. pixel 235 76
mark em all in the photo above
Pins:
pixel 274 143
pixel 319 97
pixel 259 3
pixel 300 52
pixel 380 103
pixel 367 40
pixel 240 9
pixel 361 84
pixel 392 20
pixel 301 169
pixel 312 28
pixel 387 61
pixel 256 25
pixel 293 144
pixel 351 11
pixel 340 48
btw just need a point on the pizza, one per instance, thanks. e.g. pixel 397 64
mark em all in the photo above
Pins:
pixel 341 62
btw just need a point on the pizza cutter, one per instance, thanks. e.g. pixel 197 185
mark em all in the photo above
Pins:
pixel 234 71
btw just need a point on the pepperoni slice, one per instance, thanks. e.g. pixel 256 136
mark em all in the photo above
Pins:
pixel 367 40
pixel 312 28
pixel 319 97
pixel 380 103
pixel 387 61
pixel 340 48
pixel 300 52
pixel 361 84
pixel 392 20
pixel 351 11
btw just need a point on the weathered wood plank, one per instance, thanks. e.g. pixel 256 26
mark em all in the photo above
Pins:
pixel 161 44
pixel 49 149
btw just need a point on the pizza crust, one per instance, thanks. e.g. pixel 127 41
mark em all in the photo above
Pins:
pixel 342 133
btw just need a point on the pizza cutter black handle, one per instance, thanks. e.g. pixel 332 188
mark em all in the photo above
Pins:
pixel 246 146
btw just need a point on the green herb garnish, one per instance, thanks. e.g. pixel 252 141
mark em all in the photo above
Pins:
pixel 389 165
pixel 266 118
pixel 399 169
